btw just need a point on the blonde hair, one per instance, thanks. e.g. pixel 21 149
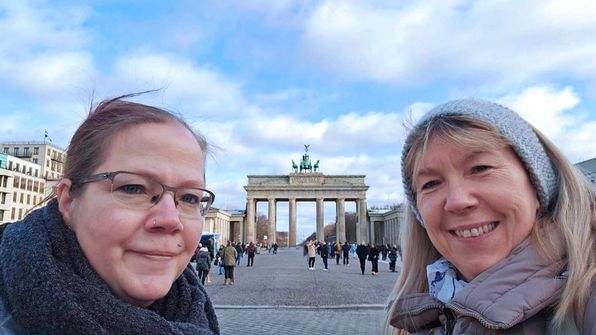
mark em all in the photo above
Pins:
pixel 572 212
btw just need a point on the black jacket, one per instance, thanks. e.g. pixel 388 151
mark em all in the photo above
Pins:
pixel 362 251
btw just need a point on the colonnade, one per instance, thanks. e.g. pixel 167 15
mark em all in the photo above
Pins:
pixel 362 226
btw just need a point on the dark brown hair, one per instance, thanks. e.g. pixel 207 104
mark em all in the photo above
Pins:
pixel 88 146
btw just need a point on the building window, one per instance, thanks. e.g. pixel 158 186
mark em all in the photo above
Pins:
pixel 28 199
pixel 16 152
pixel 16 181
pixel 6 150
pixel 26 151
pixel 22 198
pixel 12 214
pixel 20 213
pixel 36 150
pixel 35 161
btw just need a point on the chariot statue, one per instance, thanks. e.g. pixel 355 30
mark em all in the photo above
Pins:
pixel 305 163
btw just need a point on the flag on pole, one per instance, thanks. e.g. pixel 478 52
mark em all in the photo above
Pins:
pixel 46 137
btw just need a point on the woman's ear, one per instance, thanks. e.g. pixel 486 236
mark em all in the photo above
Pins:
pixel 65 199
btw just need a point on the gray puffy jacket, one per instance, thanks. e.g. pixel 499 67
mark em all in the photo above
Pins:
pixel 513 297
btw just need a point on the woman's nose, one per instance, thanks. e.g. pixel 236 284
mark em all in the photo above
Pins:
pixel 460 198
pixel 166 215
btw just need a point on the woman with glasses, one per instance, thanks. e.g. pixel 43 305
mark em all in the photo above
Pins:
pixel 109 253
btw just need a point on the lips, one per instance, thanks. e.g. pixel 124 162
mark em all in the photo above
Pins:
pixel 477 231
pixel 157 254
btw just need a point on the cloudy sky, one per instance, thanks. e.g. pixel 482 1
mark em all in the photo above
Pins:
pixel 263 78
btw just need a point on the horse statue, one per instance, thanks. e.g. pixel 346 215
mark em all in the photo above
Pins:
pixel 294 166
pixel 316 166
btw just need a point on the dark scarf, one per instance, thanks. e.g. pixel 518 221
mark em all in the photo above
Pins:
pixel 50 288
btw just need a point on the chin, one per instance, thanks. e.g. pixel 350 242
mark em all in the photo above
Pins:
pixel 149 291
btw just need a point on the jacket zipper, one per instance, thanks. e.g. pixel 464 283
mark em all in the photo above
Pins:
pixel 475 315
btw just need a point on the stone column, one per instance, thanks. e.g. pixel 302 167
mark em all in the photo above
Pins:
pixel 340 227
pixel 320 220
pixel 372 232
pixel 240 231
pixel 362 222
pixel 250 221
pixel 292 237
pixel 272 226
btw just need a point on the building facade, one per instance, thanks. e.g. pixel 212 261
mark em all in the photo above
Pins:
pixel 28 172
pixel 21 187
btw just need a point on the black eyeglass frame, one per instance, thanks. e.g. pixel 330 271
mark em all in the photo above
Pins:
pixel 111 175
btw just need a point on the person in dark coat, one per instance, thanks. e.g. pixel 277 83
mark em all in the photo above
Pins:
pixel 203 264
pixel 362 253
pixel 251 249
pixel 346 253
pixel 373 257
pixel 324 252
pixel 392 258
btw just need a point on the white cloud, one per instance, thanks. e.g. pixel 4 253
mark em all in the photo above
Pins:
pixel 419 42
pixel 202 89
pixel 556 113
pixel 43 47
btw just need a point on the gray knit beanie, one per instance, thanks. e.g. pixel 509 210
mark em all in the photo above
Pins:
pixel 511 126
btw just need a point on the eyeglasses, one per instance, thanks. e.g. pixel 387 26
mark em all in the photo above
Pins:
pixel 137 191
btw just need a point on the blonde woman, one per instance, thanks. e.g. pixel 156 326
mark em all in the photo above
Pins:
pixel 499 232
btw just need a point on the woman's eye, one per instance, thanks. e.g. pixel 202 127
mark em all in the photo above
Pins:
pixel 480 168
pixel 190 199
pixel 132 189
pixel 430 184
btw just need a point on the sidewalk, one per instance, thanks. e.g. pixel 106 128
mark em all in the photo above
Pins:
pixel 280 295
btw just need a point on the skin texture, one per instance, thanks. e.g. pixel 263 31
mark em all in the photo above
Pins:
pixel 137 259
pixel 460 189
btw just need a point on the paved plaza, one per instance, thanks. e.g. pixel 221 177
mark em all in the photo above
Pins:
pixel 280 295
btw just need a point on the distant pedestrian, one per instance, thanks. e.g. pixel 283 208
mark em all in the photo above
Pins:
pixel 239 252
pixel 362 252
pixel 346 253
pixel 373 257
pixel 338 252
pixel 324 252
pixel 251 249
pixel 203 264
pixel 312 253
pixel 275 247
pixel 229 261
pixel 219 260
pixel 392 258
pixel 353 249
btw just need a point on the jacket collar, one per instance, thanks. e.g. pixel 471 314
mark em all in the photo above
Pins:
pixel 510 292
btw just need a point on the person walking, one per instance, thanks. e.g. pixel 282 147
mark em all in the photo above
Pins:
pixel 338 252
pixel 238 252
pixel 229 261
pixel 346 253
pixel 324 252
pixel 203 264
pixel 362 252
pixel 250 252
pixel 392 258
pixel 373 257
pixel 219 260
pixel 312 253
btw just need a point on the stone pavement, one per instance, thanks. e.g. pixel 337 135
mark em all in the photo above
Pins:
pixel 280 295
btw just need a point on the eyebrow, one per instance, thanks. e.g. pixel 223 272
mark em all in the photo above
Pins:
pixel 431 170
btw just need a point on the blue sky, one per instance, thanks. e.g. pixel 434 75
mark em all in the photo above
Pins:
pixel 263 78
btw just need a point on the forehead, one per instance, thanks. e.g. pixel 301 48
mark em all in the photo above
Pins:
pixel 156 148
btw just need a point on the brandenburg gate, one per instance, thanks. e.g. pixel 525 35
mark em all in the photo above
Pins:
pixel 304 184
